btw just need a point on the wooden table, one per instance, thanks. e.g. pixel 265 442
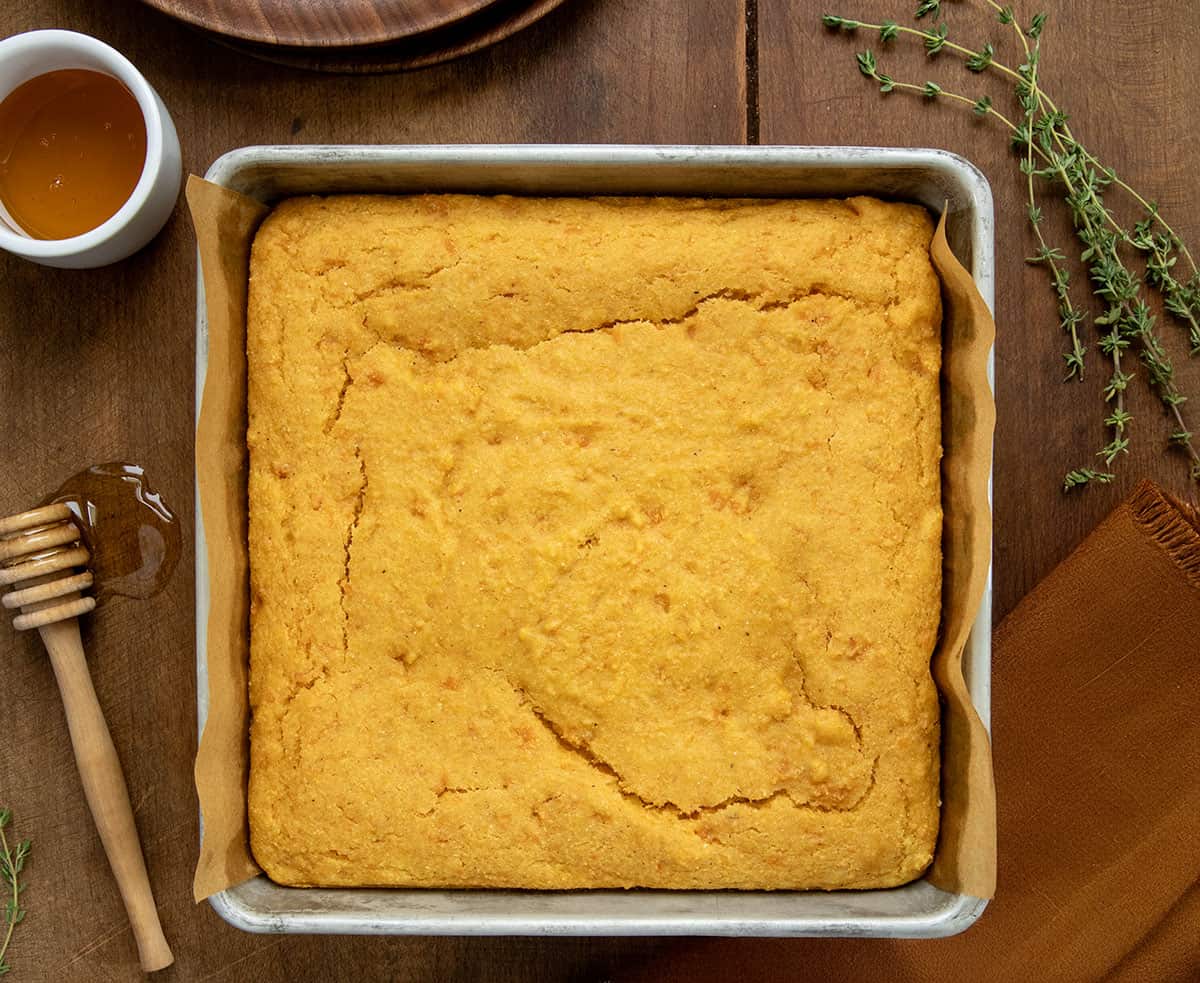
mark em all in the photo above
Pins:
pixel 98 366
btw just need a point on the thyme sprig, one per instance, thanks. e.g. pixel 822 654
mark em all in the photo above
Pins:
pixel 1050 153
pixel 12 862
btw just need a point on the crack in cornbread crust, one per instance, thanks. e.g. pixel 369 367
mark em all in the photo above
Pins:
pixel 411 728
pixel 605 768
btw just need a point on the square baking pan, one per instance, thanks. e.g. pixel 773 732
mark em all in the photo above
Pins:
pixel 934 178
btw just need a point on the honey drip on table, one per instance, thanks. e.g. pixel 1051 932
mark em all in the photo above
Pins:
pixel 134 538
pixel 72 148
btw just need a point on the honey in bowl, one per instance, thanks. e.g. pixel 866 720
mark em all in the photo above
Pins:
pixel 72 147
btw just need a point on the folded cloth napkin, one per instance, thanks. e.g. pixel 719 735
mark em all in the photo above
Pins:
pixel 1096 727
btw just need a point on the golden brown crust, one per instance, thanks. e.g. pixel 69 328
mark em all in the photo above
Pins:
pixel 594 542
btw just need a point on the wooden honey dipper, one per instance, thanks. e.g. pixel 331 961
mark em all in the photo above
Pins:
pixel 41 556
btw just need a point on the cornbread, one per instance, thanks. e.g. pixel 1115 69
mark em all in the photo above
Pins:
pixel 593 542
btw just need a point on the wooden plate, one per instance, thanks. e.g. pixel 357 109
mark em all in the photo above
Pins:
pixel 495 23
pixel 320 23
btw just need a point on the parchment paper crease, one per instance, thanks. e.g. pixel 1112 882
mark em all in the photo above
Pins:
pixel 225 224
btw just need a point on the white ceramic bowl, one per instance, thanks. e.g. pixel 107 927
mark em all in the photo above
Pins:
pixel 25 56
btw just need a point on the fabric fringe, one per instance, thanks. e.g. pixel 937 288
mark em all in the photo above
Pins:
pixel 1174 526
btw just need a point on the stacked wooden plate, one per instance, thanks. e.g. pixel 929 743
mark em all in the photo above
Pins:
pixel 359 35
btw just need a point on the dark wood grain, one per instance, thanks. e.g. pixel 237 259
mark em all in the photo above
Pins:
pixel 1129 95
pixel 98 366
pixel 319 23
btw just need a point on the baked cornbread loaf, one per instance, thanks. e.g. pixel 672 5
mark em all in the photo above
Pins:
pixel 594 542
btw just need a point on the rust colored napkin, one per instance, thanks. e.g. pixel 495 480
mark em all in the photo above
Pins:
pixel 1096 710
